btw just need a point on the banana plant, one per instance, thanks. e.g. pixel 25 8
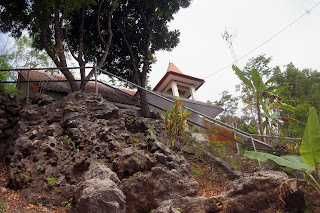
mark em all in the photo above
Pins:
pixel 309 161
pixel 266 96
pixel 271 102
pixel 257 87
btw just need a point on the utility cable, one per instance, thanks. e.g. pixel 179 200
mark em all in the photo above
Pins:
pixel 275 35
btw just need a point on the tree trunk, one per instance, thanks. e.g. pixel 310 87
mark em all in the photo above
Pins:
pixel 60 49
pixel 108 44
pixel 267 129
pixel 145 111
pixel 144 108
pixel 83 75
pixel 259 117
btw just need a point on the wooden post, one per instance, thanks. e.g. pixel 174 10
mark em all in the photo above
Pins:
pixel 254 147
pixel 235 137
pixel 28 86
pixel 96 81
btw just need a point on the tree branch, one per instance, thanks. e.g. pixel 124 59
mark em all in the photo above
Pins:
pixel 49 50
pixel 81 32
pixel 133 62
pixel 99 27
pixel 108 44
pixel 69 47
pixel 146 61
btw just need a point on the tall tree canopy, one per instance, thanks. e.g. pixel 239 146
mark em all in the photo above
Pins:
pixel 302 93
pixel 49 23
pixel 132 30
pixel 141 29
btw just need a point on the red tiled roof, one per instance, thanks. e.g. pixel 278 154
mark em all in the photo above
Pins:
pixel 130 92
pixel 113 94
pixel 107 92
pixel 43 77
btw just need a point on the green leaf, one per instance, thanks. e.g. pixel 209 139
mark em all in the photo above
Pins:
pixel 277 89
pixel 292 162
pixel 284 106
pixel 257 80
pixel 264 107
pixel 275 115
pixel 310 145
pixel 273 79
pixel 299 161
pixel 242 77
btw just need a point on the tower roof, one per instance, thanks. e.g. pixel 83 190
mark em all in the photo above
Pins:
pixel 174 74
pixel 173 68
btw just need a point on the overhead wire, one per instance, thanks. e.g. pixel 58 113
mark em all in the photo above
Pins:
pixel 275 35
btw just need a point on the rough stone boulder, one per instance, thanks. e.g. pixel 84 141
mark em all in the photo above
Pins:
pixel 9 113
pixel 166 157
pixel 190 205
pixel 98 192
pixel 145 191
pixel 131 160
pixel 257 192
pixel 42 99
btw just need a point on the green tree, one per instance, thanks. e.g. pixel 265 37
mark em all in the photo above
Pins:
pixel 261 64
pixel 230 106
pixel 257 87
pixel 20 54
pixel 141 30
pixel 49 23
pixel 303 92
pixel 265 96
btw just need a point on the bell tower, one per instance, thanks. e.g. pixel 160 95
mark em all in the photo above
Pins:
pixel 175 83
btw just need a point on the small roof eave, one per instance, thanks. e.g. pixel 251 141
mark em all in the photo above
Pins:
pixel 197 82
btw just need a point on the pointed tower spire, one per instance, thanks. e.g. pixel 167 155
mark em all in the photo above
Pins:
pixel 173 68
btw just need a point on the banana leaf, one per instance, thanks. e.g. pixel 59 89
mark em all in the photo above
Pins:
pixel 242 77
pixel 310 145
pixel 293 162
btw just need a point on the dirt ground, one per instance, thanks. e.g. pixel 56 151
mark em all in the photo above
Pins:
pixel 11 202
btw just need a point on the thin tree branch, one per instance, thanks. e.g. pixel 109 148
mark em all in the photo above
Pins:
pixel 133 62
pixel 81 32
pixel 108 44
pixel 70 48
pixel 99 27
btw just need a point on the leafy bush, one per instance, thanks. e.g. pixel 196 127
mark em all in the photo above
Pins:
pixel 2 209
pixel 51 181
pixel 197 172
pixel 175 119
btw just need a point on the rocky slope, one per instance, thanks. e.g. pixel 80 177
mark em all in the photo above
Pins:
pixel 84 154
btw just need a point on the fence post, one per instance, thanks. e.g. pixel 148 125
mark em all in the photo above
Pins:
pixel 28 86
pixel 254 147
pixel 235 137
pixel 96 82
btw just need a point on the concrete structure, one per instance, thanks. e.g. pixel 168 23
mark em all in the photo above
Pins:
pixel 121 97
pixel 176 84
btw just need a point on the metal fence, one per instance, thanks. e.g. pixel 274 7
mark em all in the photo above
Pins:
pixel 236 132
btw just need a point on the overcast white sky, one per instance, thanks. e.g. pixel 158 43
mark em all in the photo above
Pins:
pixel 202 51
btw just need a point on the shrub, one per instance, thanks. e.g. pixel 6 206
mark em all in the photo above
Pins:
pixel 175 119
